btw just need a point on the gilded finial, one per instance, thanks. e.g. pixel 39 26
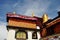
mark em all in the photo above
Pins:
pixel 14 12
pixel 45 18
pixel 32 14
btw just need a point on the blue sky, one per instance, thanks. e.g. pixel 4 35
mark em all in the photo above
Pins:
pixel 26 7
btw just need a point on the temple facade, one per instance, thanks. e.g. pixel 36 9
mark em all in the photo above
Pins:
pixel 22 27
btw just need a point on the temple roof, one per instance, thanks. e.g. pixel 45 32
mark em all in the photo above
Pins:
pixel 21 16
pixel 53 21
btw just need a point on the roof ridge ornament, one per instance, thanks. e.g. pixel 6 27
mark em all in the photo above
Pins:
pixel 45 17
pixel 14 12
pixel 32 14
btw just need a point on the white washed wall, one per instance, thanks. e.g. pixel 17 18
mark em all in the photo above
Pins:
pixel 30 35
pixel 38 34
pixel 11 35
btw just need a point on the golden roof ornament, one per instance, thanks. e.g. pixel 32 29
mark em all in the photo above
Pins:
pixel 45 18
pixel 14 12
pixel 32 14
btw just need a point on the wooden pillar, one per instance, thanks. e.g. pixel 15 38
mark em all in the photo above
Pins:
pixel 44 32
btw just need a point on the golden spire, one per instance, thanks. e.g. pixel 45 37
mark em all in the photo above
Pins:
pixel 14 12
pixel 32 14
pixel 45 18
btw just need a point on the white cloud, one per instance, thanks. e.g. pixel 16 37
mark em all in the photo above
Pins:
pixel 58 8
pixel 3 31
pixel 38 6
pixel 15 4
pixel 1 17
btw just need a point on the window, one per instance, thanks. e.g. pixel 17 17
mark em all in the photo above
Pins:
pixel 21 35
pixel 34 35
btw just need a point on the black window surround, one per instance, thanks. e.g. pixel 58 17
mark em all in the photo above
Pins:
pixel 21 31
pixel 34 35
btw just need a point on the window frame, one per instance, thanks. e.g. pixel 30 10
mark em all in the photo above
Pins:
pixel 21 31
pixel 33 35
